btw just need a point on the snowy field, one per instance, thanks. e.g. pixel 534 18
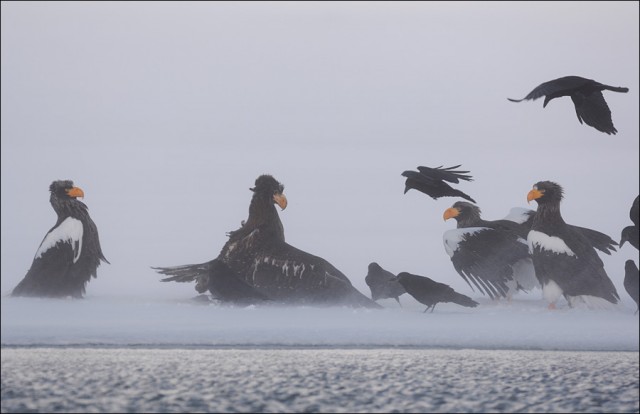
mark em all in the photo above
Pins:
pixel 524 324
pixel 137 354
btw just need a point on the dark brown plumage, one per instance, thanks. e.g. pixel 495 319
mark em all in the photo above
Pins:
pixel 256 264
pixel 430 293
pixel 69 254
pixel 587 98
pixel 217 278
pixel 565 261
pixel 431 181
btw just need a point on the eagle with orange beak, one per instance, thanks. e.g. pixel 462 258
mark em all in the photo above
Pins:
pixel 490 255
pixel 257 266
pixel 70 253
pixel 565 261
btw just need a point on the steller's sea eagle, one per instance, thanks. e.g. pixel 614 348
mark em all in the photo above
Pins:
pixel 257 265
pixel 69 254
pixel 490 254
pixel 565 261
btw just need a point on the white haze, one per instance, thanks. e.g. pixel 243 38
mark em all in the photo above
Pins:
pixel 165 113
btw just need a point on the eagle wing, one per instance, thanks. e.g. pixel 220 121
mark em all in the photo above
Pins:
pixel 485 257
pixel 285 273
pixel 49 274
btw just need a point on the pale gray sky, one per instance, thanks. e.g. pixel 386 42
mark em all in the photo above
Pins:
pixel 165 113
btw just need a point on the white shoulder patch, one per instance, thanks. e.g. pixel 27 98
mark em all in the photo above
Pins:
pixel 69 231
pixel 546 242
pixel 453 237
pixel 518 215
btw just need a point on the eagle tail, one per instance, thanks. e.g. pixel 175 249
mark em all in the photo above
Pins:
pixel 358 300
pixel 185 273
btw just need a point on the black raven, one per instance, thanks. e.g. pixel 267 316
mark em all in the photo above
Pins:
pixel 587 98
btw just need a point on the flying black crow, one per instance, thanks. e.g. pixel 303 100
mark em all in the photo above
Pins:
pixel 431 181
pixel 587 98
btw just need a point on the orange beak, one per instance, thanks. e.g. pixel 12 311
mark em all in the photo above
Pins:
pixel 451 212
pixel 75 192
pixel 281 200
pixel 534 195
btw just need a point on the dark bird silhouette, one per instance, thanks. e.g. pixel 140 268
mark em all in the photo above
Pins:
pixel 431 181
pixel 631 233
pixel 430 293
pixel 565 261
pixel 217 278
pixel 631 280
pixel 587 98
pixel 598 240
pixel 381 284
pixel 492 255
pixel 256 264
pixel 69 254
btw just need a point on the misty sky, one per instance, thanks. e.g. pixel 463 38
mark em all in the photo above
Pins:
pixel 165 114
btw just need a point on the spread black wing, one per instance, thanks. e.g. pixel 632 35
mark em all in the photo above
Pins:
pixel 485 257
pixel 431 181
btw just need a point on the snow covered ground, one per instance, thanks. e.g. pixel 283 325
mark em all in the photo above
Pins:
pixel 137 321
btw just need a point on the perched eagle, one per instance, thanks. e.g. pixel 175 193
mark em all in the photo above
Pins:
pixel 490 254
pixel 565 261
pixel 630 233
pixel 257 265
pixel 631 280
pixel 587 98
pixel 430 293
pixel 431 181
pixel 381 284
pixel 70 253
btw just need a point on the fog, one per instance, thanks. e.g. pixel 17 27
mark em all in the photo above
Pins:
pixel 165 114
pixel 107 321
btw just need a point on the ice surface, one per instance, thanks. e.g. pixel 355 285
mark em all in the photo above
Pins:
pixel 126 380
pixel 523 324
